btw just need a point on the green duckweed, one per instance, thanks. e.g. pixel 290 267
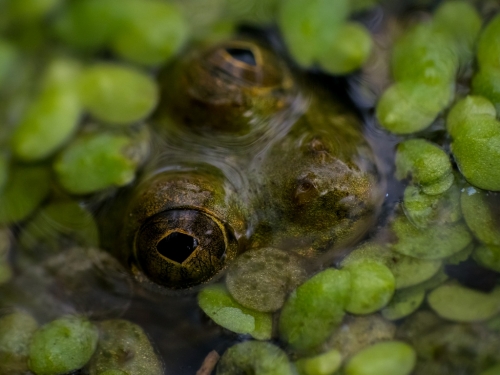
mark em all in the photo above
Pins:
pixel 403 303
pixel 358 332
pixel 388 358
pixel 63 345
pixel 435 242
pixel 16 331
pixel 488 46
pixel 218 304
pixel 458 303
pixel 261 279
pixel 425 162
pixel 460 256
pixel 315 309
pixel 486 82
pixel 97 161
pixel 481 215
pixel 493 370
pixel 30 10
pixel 53 116
pixel 424 74
pixel 407 107
pixel 477 150
pixel 424 210
pixel 124 348
pixel 349 50
pixel 151 32
pixel 113 372
pixel 254 357
pixel 7 58
pixel 309 26
pixel 323 364
pixel 4 170
pixel 117 94
pixel 407 270
pixel 465 109
pixel 372 286
pixel 415 59
pixel 449 348
pixel 88 24
pixel 488 256
pixel 463 33
pixel 144 32
pixel 26 188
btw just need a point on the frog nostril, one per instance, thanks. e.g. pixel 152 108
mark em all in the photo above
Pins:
pixel 177 246
pixel 242 54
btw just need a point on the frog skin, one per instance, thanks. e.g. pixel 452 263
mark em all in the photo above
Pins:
pixel 247 155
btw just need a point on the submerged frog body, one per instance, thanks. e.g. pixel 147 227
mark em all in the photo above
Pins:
pixel 247 156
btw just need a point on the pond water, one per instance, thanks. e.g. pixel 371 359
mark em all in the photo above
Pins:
pixel 234 181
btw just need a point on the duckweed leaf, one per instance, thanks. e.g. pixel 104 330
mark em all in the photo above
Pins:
pixel 218 304
pixel 488 256
pixel 403 303
pixel 118 94
pixel 435 242
pixel 96 161
pixel 254 357
pixel 407 270
pixel 372 286
pixel 424 161
pixel 323 364
pixel 407 107
pixel 150 33
pixel 62 346
pixel 465 109
pixel 481 215
pixel 455 302
pixel 261 279
pixel 388 358
pixel 349 50
pixel 314 309
pixel 26 188
pixel 123 346
pixel 16 331
pixel 488 45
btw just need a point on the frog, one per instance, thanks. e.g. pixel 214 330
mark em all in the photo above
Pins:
pixel 246 153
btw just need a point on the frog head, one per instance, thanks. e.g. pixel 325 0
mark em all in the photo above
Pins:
pixel 310 187
pixel 233 87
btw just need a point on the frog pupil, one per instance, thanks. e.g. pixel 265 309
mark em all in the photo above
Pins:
pixel 177 246
pixel 242 54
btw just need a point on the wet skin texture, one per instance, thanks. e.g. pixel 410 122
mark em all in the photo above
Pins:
pixel 246 155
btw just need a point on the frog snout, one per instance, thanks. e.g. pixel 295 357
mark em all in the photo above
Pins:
pixel 179 248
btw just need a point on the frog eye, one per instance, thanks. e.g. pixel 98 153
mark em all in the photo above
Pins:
pixel 247 63
pixel 243 55
pixel 305 191
pixel 181 248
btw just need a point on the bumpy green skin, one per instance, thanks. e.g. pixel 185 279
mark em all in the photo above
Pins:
pixel 252 156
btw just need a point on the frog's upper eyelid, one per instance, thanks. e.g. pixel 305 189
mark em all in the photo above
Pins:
pixel 245 55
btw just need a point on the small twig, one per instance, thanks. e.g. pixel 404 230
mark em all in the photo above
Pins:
pixel 208 363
